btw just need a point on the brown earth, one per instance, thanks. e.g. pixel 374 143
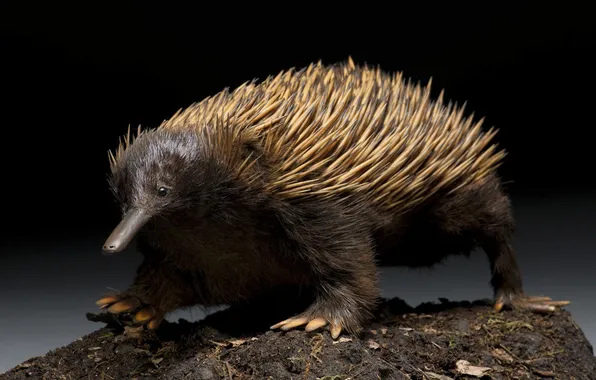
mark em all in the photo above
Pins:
pixel 433 341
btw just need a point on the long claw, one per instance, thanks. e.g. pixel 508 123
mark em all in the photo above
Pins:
pixel 104 302
pixel 124 306
pixel 315 324
pixel 144 315
pixel 154 324
pixel 295 323
pixel 540 308
pixel 312 324
pixel 557 303
pixel 537 299
pixel 279 324
pixel 335 330
pixel 539 304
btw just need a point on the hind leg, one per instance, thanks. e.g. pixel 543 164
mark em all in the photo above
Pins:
pixel 506 279
pixel 485 211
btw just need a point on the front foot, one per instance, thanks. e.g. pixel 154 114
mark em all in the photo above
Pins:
pixel 124 306
pixel 312 324
pixel 532 303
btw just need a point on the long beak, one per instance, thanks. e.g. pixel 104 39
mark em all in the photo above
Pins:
pixel 126 230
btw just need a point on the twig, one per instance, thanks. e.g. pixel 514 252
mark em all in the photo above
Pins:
pixel 229 370
pixel 354 376
pixel 544 373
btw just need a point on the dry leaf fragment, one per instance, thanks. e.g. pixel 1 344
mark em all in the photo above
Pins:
pixel 343 339
pixel 501 354
pixel 237 342
pixel 464 367
pixel 432 375
pixel 372 344
pixel 544 373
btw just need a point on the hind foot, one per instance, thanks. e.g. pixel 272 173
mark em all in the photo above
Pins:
pixel 125 306
pixel 533 303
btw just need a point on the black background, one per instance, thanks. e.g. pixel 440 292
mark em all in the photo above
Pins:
pixel 75 75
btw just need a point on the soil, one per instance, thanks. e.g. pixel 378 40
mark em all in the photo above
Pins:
pixel 445 340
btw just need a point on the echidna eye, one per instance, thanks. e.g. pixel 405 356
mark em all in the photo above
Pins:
pixel 162 191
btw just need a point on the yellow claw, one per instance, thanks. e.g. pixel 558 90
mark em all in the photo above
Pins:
pixel 279 324
pixel 557 303
pixel 144 315
pixel 106 301
pixel 537 299
pixel 295 323
pixel 538 304
pixel 125 305
pixel 335 330
pixel 154 324
pixel 312 324
pixel 315 324
pixel 541 308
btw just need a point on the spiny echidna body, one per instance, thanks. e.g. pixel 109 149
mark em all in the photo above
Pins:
pixel 311 178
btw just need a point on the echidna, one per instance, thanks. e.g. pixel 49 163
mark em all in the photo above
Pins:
pixel 310 178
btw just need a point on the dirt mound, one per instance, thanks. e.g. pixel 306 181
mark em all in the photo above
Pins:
pixel 432 341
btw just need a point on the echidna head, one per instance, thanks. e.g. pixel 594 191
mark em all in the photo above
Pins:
pixel 160 173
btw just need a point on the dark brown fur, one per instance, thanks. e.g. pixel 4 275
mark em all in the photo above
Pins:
pixel 217 241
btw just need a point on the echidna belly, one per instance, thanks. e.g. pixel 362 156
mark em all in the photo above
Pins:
pixel 226 267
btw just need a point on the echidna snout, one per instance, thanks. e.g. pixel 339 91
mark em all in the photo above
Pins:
pixel 159 175
pixel 131 223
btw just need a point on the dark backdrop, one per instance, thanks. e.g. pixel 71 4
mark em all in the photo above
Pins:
pixel 74 76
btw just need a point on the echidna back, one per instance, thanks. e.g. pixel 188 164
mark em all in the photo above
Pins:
pixel 345 128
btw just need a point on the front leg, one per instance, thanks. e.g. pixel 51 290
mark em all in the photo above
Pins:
pixel 345 285
pixel 157 289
